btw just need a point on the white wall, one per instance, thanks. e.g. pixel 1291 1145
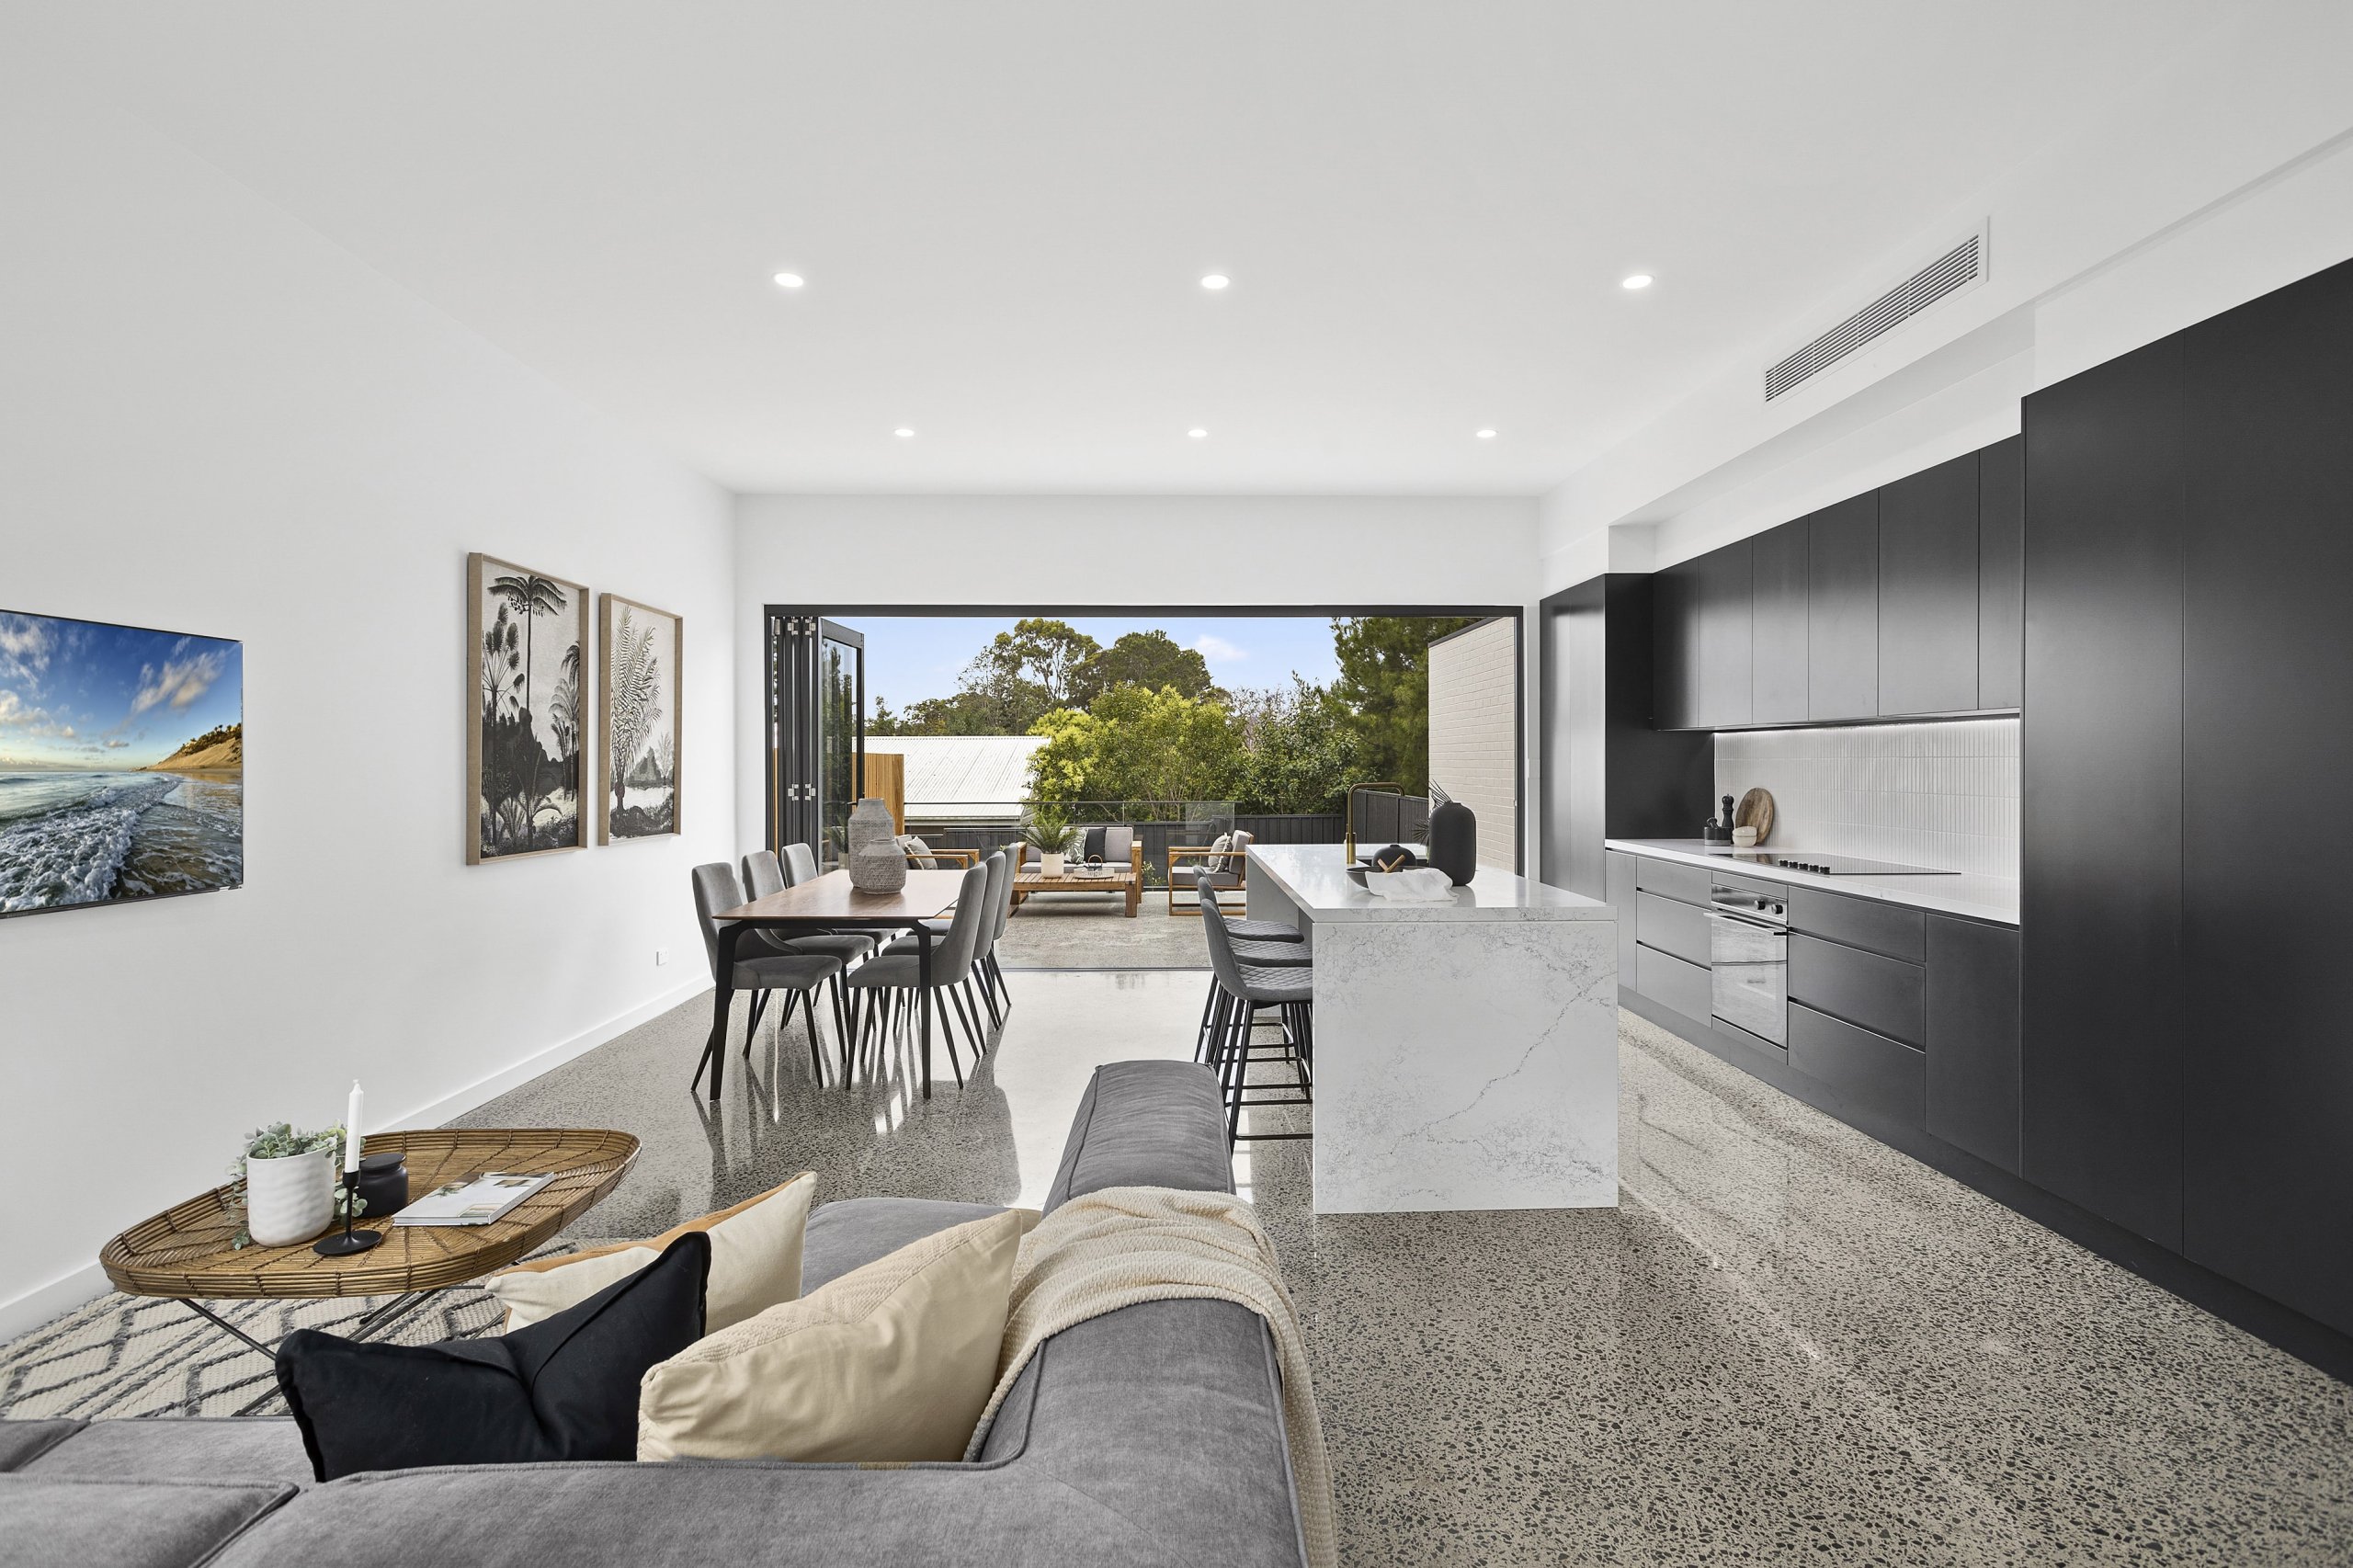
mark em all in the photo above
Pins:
pixel 1145 551
pixel 2221 178
pixel 1475 731
pixel 218 422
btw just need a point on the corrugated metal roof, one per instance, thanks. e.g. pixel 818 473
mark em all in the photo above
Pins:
pixel 973 777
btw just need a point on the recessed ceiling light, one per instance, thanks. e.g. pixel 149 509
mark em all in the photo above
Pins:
pixel 1636 280
pixel 1215 280
pixel 904 434
pixel 788 280
pixel 1198 434
pixel 1486 434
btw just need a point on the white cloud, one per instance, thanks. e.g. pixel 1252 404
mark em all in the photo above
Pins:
pixel 14 714
pixel 1217 649
pixel 181 682
pixel 24 650
pixel 117 745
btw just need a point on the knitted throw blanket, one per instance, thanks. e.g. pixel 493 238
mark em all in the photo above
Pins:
pixel 1126 1245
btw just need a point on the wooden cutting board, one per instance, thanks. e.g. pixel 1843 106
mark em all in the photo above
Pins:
pixel 1756 809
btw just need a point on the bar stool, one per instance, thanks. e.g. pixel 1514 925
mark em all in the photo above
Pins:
pixel 1281 947
pixel 1241 990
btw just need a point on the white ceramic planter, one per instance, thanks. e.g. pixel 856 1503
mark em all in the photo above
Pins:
pixel 1053 864
pixel 290 1199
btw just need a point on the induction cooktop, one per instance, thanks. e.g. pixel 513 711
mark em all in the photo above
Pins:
pixel 1834 864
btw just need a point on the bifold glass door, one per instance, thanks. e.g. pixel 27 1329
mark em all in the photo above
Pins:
pixel 817 716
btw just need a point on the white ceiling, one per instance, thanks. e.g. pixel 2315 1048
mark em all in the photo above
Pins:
pixel 1002 210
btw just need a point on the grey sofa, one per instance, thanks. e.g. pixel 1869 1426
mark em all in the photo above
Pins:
pixel 1151 1435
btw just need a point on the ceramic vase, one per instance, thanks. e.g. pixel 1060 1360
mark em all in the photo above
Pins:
pixel 875 862
pixel 290 1199
pixel 1454 842
pixel 1050 862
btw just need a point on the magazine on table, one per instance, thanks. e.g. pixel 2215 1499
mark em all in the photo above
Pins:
pixel 481 1202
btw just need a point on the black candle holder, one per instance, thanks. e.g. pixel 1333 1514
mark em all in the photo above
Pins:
pixel 345 1243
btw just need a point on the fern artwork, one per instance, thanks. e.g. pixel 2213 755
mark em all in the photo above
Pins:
pixel 638 790
pixel 527 772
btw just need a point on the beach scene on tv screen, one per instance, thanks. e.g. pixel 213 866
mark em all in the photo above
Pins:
pixel 122 763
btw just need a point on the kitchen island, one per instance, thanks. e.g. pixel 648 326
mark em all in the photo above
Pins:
pixel 1466 1052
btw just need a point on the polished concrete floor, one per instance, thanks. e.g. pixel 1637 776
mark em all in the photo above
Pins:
pixel 1789 1343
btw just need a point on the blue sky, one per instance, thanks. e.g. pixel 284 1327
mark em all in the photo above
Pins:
pixel 85 694
pixel 909 658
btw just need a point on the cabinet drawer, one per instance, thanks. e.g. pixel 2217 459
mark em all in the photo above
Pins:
pixel 1868 1071
pixel 1866 923
pixel 1670 879
pixel 1863 988
pixel 1668 979
pixel 1672 928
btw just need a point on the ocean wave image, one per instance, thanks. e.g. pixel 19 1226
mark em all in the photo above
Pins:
pixel 121 764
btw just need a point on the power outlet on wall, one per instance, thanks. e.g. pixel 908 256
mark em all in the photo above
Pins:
pixel 661 957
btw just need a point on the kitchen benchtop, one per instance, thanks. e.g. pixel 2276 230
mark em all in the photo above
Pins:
pixel 1979 898
pixel 1315 879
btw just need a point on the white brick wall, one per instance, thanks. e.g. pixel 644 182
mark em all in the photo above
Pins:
pixel 1936 794
pixel 1475 731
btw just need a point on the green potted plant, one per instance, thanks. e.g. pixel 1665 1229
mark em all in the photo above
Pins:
pixel 286 1184
pixel 1047 828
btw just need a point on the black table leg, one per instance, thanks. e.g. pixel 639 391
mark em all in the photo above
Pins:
pixel 714 1050
pixel 923 991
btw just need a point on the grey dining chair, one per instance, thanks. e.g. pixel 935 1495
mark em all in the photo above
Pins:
pixel 894 978
pixel 996 901
pixel 764 874
pixel 798 975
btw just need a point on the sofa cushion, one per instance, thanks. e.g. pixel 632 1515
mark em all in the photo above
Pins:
pixel 755 1262
pixel 46 1523
pixel 892 1362
pixel 1146 1124
pixel 247 1448
pixel 562 1389
pixel 23 1441
pixel 855 1231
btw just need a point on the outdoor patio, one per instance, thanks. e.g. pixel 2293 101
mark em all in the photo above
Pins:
pixel 1084 930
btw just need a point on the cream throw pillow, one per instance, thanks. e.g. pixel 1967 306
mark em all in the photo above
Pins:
pixel 755 1262
pixel 893 1361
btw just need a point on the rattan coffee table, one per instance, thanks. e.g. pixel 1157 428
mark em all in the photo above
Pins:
pixel 184 1253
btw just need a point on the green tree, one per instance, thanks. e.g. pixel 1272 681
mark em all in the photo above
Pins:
pixel 1299 750
pixel 1152 660
pixel 1385 685
pixel 1149 751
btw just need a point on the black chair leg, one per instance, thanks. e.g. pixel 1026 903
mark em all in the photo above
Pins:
pixel 759 1006
pixel 948 1032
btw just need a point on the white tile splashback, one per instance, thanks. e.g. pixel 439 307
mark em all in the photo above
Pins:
pixel 1944 795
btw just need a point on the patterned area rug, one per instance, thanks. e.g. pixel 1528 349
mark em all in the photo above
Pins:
pixel 123 1355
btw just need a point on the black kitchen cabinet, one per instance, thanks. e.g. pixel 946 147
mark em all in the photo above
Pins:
pixel 1927 590
pixel 1868 1071
pixel 1675 646
pixel 1882 994
pixel 2001 573
pixel 1777 626
pixel 1724 590
pixel 1672 928
pixel 2101 970
pixel 2268 713
pixel 1842 610
pixel 1974 1038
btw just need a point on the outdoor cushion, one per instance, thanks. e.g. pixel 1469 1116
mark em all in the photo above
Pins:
pixel 1119 842
pixel 917 851
pixel 1091 847
pixel 562 1389
pixel 1146 1124
pixel 124 1524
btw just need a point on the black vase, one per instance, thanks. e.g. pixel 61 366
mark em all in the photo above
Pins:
pixel 1454 841
pixel 382 1184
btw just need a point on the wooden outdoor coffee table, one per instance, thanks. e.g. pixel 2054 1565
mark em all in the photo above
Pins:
pixel 184 1253
pixel 1126 879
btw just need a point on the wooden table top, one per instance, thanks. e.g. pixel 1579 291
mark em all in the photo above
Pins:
pixel 1106 875
pixel 185 1250
pixel 833 898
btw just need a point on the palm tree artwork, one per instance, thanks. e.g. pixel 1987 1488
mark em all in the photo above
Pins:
pixel 527 749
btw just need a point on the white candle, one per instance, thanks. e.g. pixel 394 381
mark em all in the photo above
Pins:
pixel 351 1129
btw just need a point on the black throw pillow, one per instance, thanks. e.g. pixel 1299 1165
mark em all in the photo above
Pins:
pixel 1091 850
pixel 563 1388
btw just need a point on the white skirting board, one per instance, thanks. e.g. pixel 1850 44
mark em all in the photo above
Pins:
pixel 22 1313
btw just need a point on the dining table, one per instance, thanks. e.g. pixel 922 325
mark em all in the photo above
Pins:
pixel 831 902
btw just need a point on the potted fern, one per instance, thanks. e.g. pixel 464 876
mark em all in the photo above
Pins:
pixel 1047 829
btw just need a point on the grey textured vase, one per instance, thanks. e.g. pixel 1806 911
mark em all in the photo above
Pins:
pixel 873 858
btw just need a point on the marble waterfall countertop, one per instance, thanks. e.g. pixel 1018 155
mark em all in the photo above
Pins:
pixel 1979 898
pixel 1315 879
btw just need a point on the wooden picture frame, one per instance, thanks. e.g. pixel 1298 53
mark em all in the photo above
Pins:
pixel 526 688
pixel 640 654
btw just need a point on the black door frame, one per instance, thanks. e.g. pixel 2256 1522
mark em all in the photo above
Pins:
pixel 793 635
pixel 1519 614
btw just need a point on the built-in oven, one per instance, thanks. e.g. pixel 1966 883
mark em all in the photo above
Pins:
pixel 1748 958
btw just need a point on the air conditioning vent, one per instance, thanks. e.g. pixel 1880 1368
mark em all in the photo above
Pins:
pixel 1960 268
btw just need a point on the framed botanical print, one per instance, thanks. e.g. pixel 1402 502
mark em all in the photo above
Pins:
pixel 639 652
pixel 526 637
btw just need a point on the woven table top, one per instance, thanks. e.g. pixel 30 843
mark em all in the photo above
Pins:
pixel 185 1250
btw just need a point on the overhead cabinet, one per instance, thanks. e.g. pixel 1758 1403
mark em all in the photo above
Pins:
pixel 1777 678
pixel 1927 591
pixel 1842 610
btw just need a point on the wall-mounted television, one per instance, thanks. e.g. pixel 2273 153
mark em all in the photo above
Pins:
pixel 122 764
